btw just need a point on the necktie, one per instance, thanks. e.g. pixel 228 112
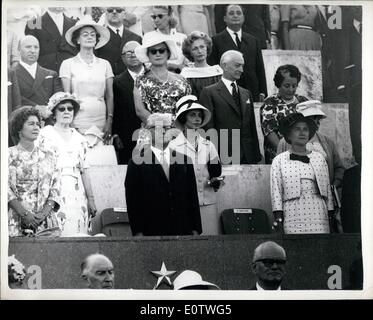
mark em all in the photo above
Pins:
pixel 304 159
pixel 118 32
pixel 235 94
pixel 164 165
pixel 238 42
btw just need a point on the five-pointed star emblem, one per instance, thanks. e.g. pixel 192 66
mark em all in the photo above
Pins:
pixel 162 274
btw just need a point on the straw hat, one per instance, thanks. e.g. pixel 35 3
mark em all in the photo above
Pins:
pixel 269 250
pixel 88 22
pixel 290 120
pixel 151 39
pixel 310 108
pixel 190 278
pixel 187 103
pixel 58 97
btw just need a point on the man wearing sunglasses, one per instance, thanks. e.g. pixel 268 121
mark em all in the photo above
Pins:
pixel 119 36
pixel 269 266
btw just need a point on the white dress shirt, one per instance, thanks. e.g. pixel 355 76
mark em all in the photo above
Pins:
pixel 259 288
pixel 232 34
pixel 58 20
pixel 163 157
pixel 31 69
pixel 228 84
pixel 134 75
pixel 120 29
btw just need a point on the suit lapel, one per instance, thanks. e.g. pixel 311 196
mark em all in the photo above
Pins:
pixel 224 93
pixel 50 27
pixel 24 77
pixel 38 83
pixel 158 167
pixel 245 100
pixel 228 39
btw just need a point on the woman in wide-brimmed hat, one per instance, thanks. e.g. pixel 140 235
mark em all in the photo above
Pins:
pixel 300 189
pixel 320 142
pixel 192 280
pixel 77 202
pixel 34 179
pixel 89 78
pixel 190 117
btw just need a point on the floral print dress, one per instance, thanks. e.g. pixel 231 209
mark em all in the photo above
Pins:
pixel 272 111
pixel 73 215
pixel 33 180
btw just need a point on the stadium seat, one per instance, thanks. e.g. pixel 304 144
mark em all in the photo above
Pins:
pixel 115 222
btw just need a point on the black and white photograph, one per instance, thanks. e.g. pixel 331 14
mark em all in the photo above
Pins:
pixel 186 145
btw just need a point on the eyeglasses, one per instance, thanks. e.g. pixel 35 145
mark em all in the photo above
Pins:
pixel 161 51
pixel 62 109
pixel 88 34
pixel 160 16
pixel 118 10
pixel 271 262
pixel 129 54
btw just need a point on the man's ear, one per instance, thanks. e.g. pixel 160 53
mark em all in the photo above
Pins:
pixel 254 267
pixel 84 276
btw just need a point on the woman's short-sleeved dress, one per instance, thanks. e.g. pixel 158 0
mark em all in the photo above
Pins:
pixel 271 112
pixel 33 180
pixel 200 78
pixel 71 159
pixel 88 84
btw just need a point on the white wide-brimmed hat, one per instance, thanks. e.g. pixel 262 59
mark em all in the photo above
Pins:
pixel 151 39
pixel 310 108
pixel 189 278
pixel 86 21
pixel 187 103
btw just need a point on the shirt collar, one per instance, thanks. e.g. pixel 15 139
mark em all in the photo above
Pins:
pixel 357 24
pixel 88 64
pixel 228 84
pixel 30 68
pixel 158 153
pixel 134 75
pixel 259 288
pixel 231 32
pixel 55 15
pixel 115 29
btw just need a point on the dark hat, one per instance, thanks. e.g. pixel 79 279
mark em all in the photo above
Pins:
pixel 290 120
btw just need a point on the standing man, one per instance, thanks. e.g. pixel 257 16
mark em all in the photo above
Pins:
pixel 269 266
pixel 231 107
pixel 36 84
pixel 98 271
pixel 125 120
pixel 233 38
pixel 119 36
pixel 161 190
pixel 50 31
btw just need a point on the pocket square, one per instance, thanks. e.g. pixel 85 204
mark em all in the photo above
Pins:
pixel 9 83
pixel 48 77
pixel 248 100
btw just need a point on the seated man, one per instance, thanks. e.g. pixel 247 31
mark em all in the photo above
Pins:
pixel 160 185
pixel 269 266
pixel 98 271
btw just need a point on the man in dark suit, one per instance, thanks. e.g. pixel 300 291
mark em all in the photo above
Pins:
pixel 231 108
pixel 50 31
pixel 269 266
pixel 233 38
pixel 119 36
pixel 125 120
pixel 36 84
pixel 161 191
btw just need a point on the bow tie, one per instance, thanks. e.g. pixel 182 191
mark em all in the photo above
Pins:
pixel 304 159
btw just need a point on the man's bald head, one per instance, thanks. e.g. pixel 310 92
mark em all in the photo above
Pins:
pixel 98 271
pixel 269 250
pixel 29 49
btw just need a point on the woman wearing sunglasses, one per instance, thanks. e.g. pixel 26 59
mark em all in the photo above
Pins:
pixel 77 202
pixel 165 23
pixel 89 78
pixel 34 179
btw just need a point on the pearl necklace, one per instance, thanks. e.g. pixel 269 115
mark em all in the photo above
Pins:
pixel 289 101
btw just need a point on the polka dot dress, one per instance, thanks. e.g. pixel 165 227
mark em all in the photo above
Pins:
pixel 308 213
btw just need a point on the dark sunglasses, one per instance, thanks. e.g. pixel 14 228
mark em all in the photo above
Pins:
pixel 116 10
pixel 62 109
pixel 154 16
pixel 161 51
pixel 271 262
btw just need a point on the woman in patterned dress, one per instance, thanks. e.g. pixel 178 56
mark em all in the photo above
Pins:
pixel 77 201
pixel 278 106
pixel 300 188
pixel 34 179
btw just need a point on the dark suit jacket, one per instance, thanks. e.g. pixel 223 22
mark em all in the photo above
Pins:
pixel 253 77
pixel 125 120
pixel 112 51
pixel 53 47
pixel 226 115
pixel 37 91
pixel 14 94
pixel 158 207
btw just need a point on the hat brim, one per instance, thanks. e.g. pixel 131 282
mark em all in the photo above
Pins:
pixel 142 51
pixel 310 123
pixel 103 31
pixel 210 285
pixel 195 106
